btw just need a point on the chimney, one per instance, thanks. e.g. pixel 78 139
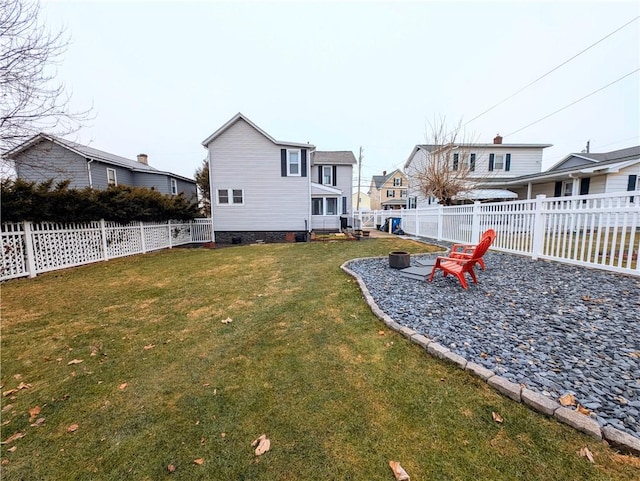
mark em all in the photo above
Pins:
pixel 384 172
pixel 143 159
pixel 497 139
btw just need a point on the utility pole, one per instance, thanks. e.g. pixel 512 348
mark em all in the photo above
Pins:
pixel 359 173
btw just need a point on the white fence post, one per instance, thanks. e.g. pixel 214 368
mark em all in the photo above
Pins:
pixel 169 227
pixel 417 234
pixel 475 223
pixel 143 244
pixel 29 252
pixel 537 244
pixel 103 237
pixel 440 220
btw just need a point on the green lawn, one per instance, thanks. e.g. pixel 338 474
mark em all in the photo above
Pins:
pixel 164 382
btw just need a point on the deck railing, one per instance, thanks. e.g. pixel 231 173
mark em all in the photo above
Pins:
pixel 601 231
pixel 30 248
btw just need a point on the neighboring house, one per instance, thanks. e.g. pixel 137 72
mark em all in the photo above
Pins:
pixel 365 201
pixel 490 167
pixel 388 191
pixel 581 174
pixel 46 157
pixel 270 190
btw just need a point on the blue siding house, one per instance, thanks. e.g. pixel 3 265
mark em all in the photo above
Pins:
pixel 46 157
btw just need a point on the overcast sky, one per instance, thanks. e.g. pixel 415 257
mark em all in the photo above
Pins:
pixel 162 76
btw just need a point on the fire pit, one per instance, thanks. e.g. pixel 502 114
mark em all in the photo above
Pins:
pixel 399 260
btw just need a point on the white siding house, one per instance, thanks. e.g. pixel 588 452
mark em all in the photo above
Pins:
pixel 262 188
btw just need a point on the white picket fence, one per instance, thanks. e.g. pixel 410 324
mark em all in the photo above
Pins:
pixel 601 231
pixel 30 248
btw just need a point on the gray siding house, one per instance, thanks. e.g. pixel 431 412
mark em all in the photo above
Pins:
pixel 271 190
pixel 48 157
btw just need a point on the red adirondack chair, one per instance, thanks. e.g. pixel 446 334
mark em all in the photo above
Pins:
pixel 464 251
pixel 458 267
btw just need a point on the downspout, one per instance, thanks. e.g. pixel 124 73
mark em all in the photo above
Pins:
pixel 89 172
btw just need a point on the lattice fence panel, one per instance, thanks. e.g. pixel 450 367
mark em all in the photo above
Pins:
pixel 156 237
pixel 64 245
pixel 14 263
pixel 123 240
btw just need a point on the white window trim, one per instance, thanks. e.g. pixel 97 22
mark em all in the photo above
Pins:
pixel 115 176
pixel 229 196
pixel 289 152
pixel 567 185
pixel 330 169
pixel 495 161
pixel 324 206
pixel 174 187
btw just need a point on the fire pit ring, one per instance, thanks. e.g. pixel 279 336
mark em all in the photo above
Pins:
pixel 399 260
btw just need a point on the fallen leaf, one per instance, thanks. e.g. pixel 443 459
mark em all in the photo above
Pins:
pixel 263 445
pixel 496 417
pixel 583 410
pixel 74 361
pixel 23 386
pixel 226 321
pixel 202 441
pixel 198 461
pixel 38 423
pixel 171 468
pixel 586 453
pixel 635 354
pixel 398 471
pixel 149 346
pixel 73 428
pixel 483 355
pixel 12 449
pixel 567 400
pixel 223 435
pixel 122 386
pixel 5 462
pixel 586 298
pixel 8 407
pixel 381 333
pixel 17 377
pixel 33 413
pixel 9 392
pixel 13 438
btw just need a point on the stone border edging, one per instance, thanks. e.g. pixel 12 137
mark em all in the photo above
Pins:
pixel 539 403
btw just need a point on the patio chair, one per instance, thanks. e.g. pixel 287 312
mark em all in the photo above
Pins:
pixel 464 251
pixel 460 266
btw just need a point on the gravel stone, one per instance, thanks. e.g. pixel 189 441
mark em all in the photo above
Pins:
pixel 552 327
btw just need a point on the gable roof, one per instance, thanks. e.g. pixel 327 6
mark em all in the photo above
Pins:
pixel 588 158
pixel 240 116
pixel 379 180
pixel 333 157
pixel 93 154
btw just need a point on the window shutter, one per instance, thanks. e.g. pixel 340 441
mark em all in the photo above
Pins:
pixel 507 164
pixel 320 174
pixel 334 174
pixel 455 161
pixel 303 163
pixel 557 190
pixel 584 185
pixel 492 158
pixel 472 163
pixel 283 162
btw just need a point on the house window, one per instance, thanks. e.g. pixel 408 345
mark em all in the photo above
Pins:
pixel 293 162
pixel 111 177
pixel 498 163
pixel 413 202
pixel 174 187
pixel 456 160
pixel 231 196
pixel 316 206
pixel 397 181
pixel 391 193
pixel 332 206
pixel 567 188
pixel 403 193
pixel 327 174
pixel 472 162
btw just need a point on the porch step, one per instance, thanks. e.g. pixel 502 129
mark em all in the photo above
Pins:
pixel 417 273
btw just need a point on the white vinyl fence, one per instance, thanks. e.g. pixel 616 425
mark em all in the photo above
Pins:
pixel 29 248
pixel 601 230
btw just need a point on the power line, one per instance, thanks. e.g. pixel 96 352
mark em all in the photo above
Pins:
pixel 573 103
pixel 551 71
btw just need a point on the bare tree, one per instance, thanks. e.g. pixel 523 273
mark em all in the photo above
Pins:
pixel 446 165
pixel 33 100
pixel 202 180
